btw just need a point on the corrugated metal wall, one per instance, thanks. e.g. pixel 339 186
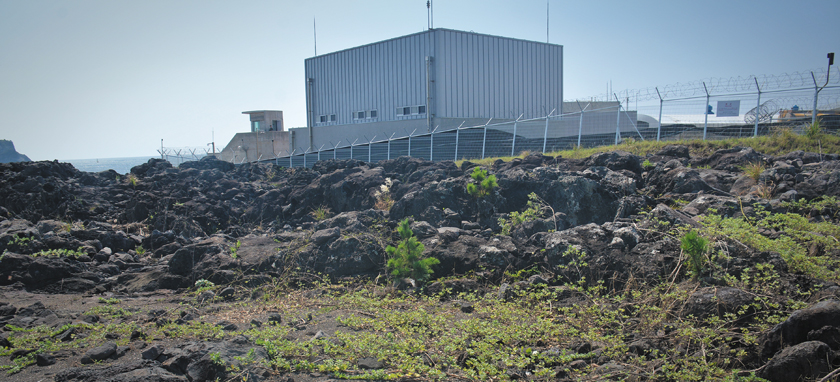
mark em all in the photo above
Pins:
pixel 380 76
pixel 474 76
pixel 481 76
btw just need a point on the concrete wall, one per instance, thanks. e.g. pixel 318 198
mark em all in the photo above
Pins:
pixel 247 147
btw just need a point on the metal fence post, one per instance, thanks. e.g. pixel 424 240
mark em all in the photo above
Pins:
pixel 409 142
pixel 617 120
pixel 816 98
pixel 659 128
pixel 457 136
pixel 513 144
pixel 580 124
pixel 432 144
pixel 706 112
pixel 389 145
pixel 757 108
pixel 817 91
pixel 484 140
pixel 545 135
pixel 370 144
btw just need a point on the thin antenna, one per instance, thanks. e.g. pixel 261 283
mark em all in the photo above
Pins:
pixel 429 14
pixel 432 12
pixel 546 21
pixel 315 33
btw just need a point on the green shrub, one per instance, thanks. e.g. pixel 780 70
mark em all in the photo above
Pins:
pixel 536 209
pixel 407 258
pixel 483 185
pixel 798 234
pixel 203 285
pixel 695 247
pixel 60 252
pixel 647 165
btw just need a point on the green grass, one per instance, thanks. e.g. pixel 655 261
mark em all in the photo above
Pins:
pixel 797 236
pixel 779 143
pixel 424 338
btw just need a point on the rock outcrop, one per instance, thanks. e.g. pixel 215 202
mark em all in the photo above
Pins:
pixel 63 231
pixel 9 154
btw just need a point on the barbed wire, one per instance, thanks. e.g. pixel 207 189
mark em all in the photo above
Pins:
pixel 187 152
pixel 721 86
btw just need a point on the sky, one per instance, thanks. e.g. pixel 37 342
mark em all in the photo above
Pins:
pixel 112 78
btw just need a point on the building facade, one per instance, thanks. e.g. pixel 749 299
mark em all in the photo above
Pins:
pixel 436 79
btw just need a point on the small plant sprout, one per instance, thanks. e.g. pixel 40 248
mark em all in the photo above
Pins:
pixel 320 213
pixel 483 185
pixel 695 247
pixel 647 165
pixel 234 249
pixel 407 258
pixel 383 196
pixel 216 358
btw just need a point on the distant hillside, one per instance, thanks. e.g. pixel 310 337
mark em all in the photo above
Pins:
pixel 9 154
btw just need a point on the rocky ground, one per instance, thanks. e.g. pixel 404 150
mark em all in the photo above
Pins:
pixel 212 271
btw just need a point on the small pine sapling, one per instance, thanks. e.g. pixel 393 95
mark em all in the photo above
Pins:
pixel 695 246
pixel 407 258
pixel 483 183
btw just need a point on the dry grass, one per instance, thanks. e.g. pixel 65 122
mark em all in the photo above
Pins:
pixel 753 170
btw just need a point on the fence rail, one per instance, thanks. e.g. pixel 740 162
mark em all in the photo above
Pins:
pixel 724 109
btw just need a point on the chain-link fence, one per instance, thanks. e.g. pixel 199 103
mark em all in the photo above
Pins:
pixel 711 109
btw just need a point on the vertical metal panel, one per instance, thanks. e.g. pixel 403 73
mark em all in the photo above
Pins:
pixel 475 76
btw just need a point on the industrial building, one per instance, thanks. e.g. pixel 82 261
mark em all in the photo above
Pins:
pixel 436 79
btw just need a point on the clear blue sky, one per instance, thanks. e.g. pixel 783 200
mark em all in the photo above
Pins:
pixel 110 78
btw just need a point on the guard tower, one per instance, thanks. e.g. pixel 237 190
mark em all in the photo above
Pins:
pixel 265 120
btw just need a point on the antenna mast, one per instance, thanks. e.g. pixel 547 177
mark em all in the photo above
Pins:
pixel 546 21
pixel 315 33
pixel 429 14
